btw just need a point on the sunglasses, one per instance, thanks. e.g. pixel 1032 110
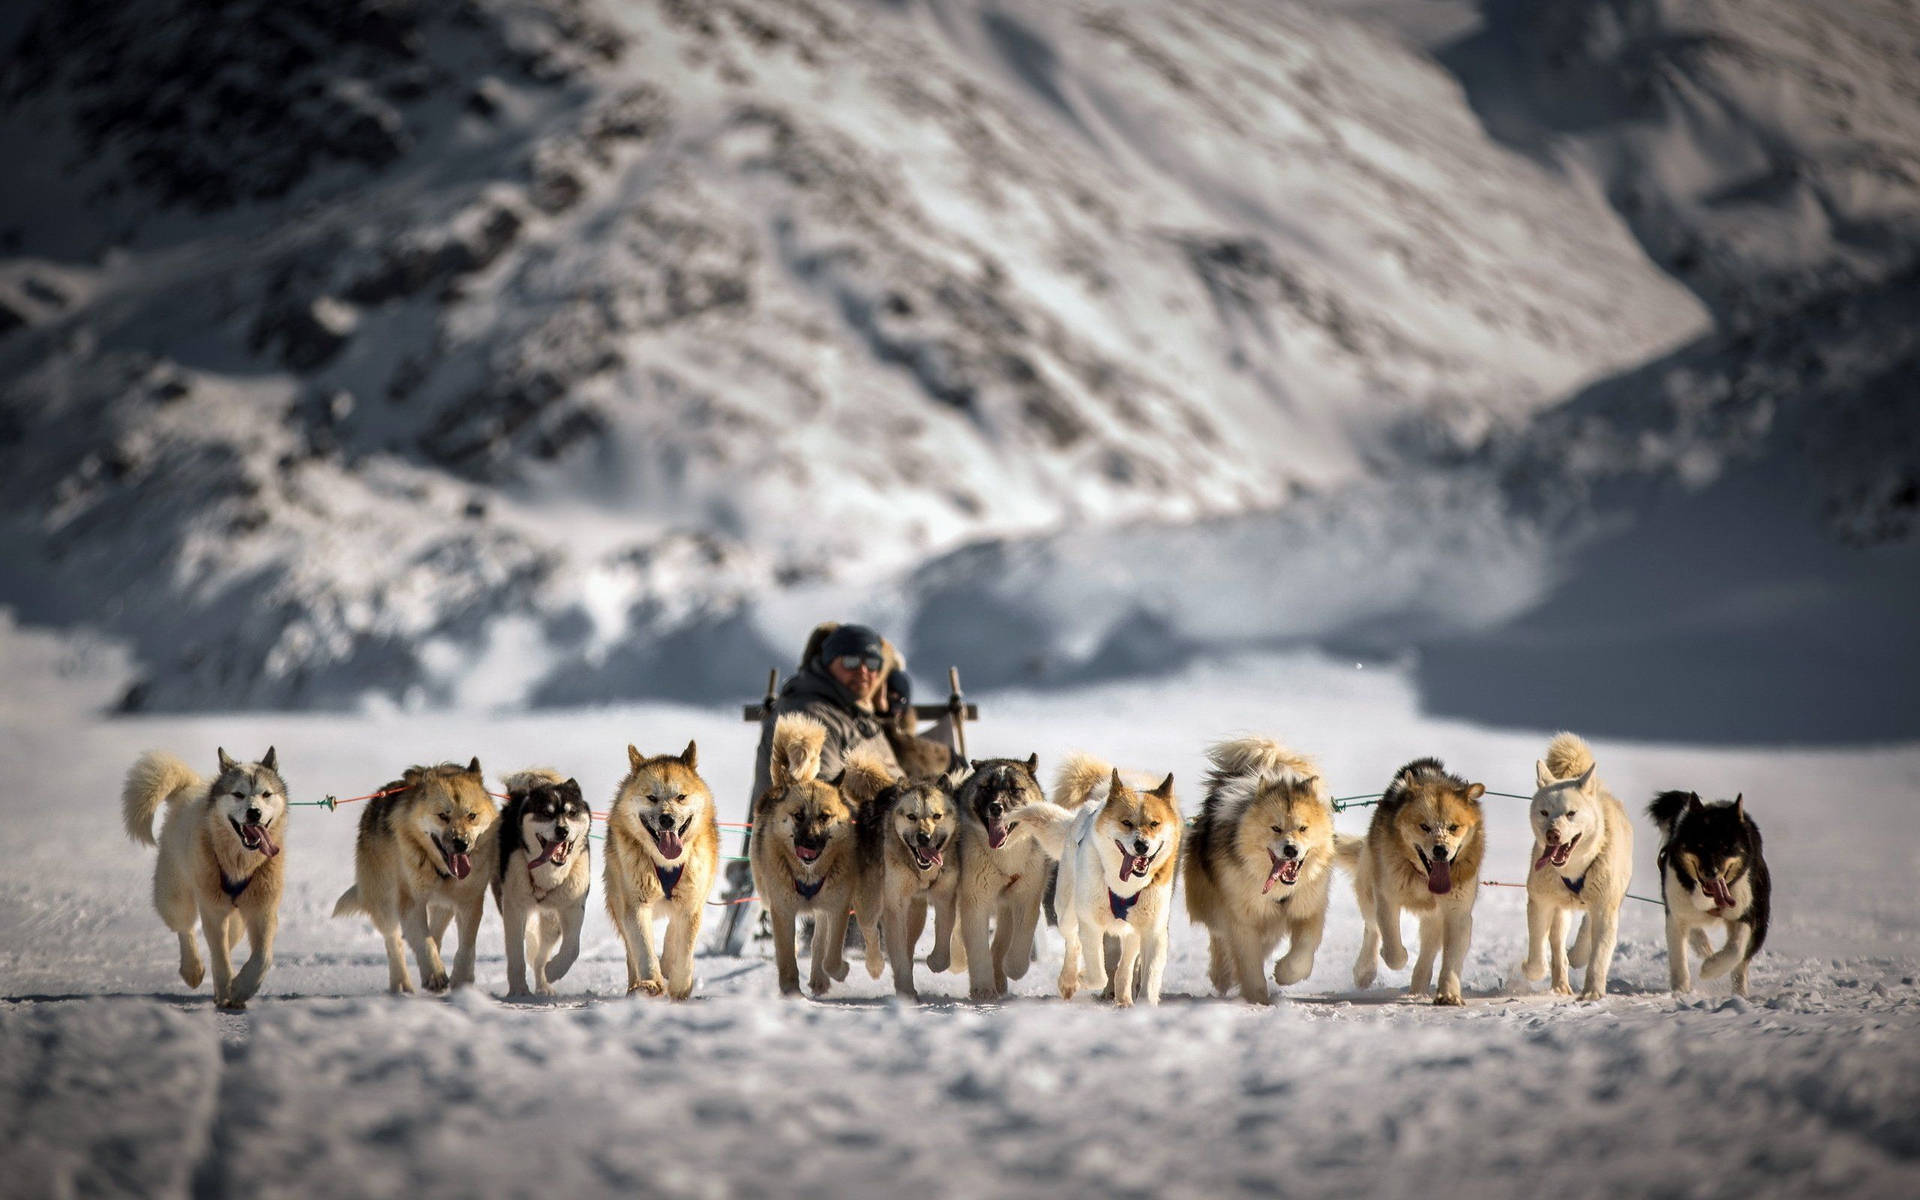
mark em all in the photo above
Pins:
pixel 853 662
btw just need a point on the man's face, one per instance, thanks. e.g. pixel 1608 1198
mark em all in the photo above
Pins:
pixel 855 672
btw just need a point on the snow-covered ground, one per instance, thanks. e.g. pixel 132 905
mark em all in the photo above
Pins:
pixel 113 1080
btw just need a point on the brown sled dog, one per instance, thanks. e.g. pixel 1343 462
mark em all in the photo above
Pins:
pixel 804 855
pixel 1422 852
pixel 909 843
pixel 663 852
pixel 425 856
pixel 1259 864
pixel 220 861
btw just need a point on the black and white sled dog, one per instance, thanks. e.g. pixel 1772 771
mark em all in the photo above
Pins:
pixel 543 876
pixel 1711 872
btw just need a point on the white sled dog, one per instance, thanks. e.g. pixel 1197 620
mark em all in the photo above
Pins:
pixel 219 861
pixel 1582 859
pixel 663 851
pixel 543 876
pixel 1118 850
pixel 425 855
pixel 1259 862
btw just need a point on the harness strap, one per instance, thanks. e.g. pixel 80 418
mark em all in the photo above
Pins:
pixel 233 889
pixel 1121 906
pixel 671 879
pixel 1574 885
pixel 807 891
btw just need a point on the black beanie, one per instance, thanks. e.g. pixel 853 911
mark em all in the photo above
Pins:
pixel 899 684
pixel 851 639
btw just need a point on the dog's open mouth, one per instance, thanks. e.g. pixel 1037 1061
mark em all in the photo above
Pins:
pixel 670 843
pixel 1132 865
pixel 255 838
pixel 1285 870
pixel 551 852
pixel 1556 853
pixel 1439 873
pixel 458 865
pixel 807 854
pixel 925 857
pixel 1717 888
pixel 997 833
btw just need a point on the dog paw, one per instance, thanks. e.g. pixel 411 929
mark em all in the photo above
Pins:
pixel 1363 976
pixel 654 987
pixel 680 991
pixel 193 976
pixel 1394 956
pixel 437 982
pixel 818 984
pixel 1590 996
pixel 839 971
pixel 1290 970
pixel 1068 986
pixel 544 988
pixel 1123 1001
pixel 1448 999
pixel 907 994
pixel 938 961
pixel 983 995
pixel 1697 938
pixel 1563 988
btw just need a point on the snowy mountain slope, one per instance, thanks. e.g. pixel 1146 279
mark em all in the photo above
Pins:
pixel 610 318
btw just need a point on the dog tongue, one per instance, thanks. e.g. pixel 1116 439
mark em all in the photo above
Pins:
pixel 1717 888
pixel 1439 878
pixel 996 835
pixel 1273 876
pixel 261 842
pixel 549 852
pixel 460 864
pixel 668 841
pixel 928 859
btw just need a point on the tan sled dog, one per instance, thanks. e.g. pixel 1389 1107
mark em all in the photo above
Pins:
pixel 804 854
pixel 1259 863
pixel 909 841
pixel 544 871
pixel 1119 848
pixel 1582 859
pixel 663 851
pixel 425 855
pixel 1003 873
pixel 1422 852
pixel 219 862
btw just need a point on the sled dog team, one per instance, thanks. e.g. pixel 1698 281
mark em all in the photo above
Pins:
pixel 982 846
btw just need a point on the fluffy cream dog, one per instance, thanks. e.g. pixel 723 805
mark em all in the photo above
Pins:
pixel 1582 859
pixel 663 852
pixel 219 860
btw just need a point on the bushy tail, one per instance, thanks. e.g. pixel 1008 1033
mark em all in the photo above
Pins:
pixel 521 782
pixel 1079 776
pixel 348 905
pixel 1568 756
pixel 1047 822
pixel 1252 757
pixel 1667 807
pixel 155 778
pixel 797 742
pixel 866 778
pixel 1346 850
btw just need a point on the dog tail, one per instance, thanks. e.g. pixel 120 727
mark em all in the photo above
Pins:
pixel 1346 849
pixel 521 782
pixel 1247 757
pixel 1568 756
pixel 797 742
pixel 1667 807
pixel 1080 775
pixel 866 777
pixel 155 778
pixel 349 903
pixel 1047 822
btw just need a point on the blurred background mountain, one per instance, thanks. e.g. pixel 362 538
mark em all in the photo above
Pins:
pixel 536 352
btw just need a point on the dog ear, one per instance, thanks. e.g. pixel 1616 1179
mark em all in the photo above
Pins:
pixel 1033 766
pixel 1585 782
pixel 1541 776
pixel 270 760
pixel 473 767
pixel 226 760
pixel 1740 805
pixel 973 763
pixel 1165 790
pixel 1693 802
pixel 1114 785
pixel 690 757
pixel 634 757
pixel 1475 791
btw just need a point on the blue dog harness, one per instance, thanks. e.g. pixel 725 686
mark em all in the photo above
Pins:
pixel 233 889
pixel 669 879
pixel 1121 906
pixel 809 891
